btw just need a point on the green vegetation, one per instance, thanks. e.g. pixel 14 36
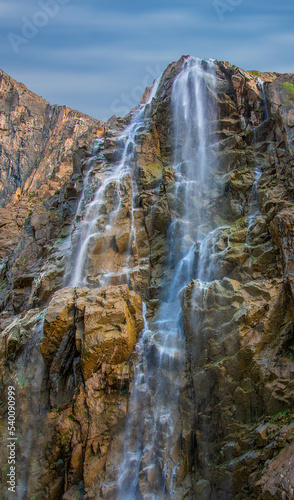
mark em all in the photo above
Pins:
pixel 254 72
pixel 153 168
pixel 22 380
pixel 152 171
pixel 160 159
pixel 3 283
pixel 63 438
pixel 280 418
pixel 289 87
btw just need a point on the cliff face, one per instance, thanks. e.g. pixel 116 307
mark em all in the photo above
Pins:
pixel 95 223
pixel 41 148
pixel 37 140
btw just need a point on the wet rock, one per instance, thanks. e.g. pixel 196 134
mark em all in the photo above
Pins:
pixel 122 240
pixel 104 322
pixel 58 321
pixel 236 399
pixel 112 321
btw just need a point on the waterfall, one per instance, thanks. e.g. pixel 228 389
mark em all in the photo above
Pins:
pixel 266 114
pixel 87 181
pixel 113 200
pixel 254 210
pixel 152 450
pixel 195 121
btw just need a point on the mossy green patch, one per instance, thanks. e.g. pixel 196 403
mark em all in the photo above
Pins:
pixel 280 413
pixel 3 284
pixel 22 380
pixel 254 72
pixel 289 87
pixel 153 169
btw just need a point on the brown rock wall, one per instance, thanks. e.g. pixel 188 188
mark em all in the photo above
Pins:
pixel 237 397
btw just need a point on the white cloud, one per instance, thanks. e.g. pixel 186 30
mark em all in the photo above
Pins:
pixel 104 20
pixel 112 53
pixel 88 56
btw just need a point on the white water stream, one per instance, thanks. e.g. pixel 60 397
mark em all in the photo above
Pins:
pixel 254 209
pixel 152 451
pixel 101 219
pixel 266 114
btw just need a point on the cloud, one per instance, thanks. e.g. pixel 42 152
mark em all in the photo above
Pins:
pixel 89 56
pixel 113 54
pixel 121 21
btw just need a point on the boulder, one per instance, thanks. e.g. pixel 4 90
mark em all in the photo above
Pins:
pixel 105 323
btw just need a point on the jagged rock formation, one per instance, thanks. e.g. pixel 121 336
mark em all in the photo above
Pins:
pixel 237 395
pixel 37 141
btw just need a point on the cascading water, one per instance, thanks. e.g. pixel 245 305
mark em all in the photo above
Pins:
pixel 266 114
pixel 254 210
pixel 191 395
pixel 253 205
pixel 90 166
pixel 152 451
pixel 112 202
pixel 77 226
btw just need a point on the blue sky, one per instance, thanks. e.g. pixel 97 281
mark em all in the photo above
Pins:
pixel 97 57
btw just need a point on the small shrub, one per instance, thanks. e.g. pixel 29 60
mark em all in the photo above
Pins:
pixel 254 72
pixel 289 87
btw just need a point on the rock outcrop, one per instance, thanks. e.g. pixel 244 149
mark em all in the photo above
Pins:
pixel 39 142
pixel 70 351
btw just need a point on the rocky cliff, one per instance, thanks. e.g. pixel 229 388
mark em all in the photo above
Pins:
pixel 110 201
pixel 41 147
